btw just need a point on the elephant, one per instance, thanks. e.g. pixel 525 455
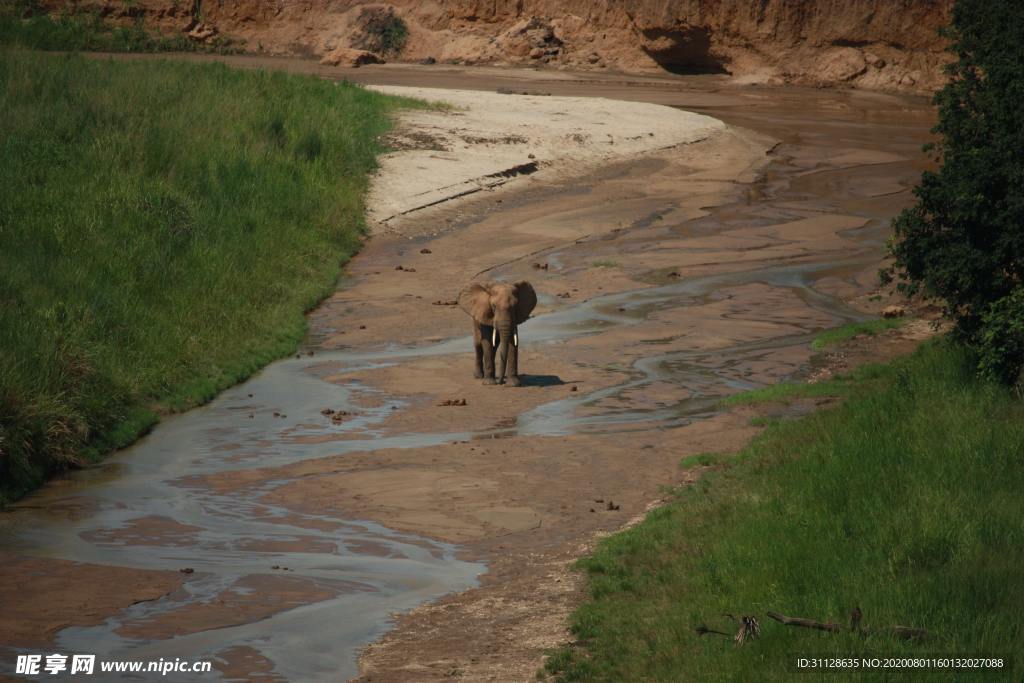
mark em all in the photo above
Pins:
pixel 497 309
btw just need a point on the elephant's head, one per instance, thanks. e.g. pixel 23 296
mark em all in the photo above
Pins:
pixel 502 306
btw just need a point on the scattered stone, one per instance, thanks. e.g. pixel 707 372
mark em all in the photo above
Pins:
pixel 362 327
pixel 893 311
pixel 250 395
pixel 427 61
pixel 277 414
pixel 453 402
pixel 674 275
pixel 540 266
pixel 203 33
pixel 339 416
pixel 531 156
pixel 424 250
pixel 593 58
pixel 573 388
pixel 612 506
pixel 599 500
pixel 187 570
pixel 874 60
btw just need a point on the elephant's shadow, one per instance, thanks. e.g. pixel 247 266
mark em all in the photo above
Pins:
pixel 540 380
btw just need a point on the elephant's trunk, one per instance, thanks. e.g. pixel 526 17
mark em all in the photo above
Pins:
pixel 504 339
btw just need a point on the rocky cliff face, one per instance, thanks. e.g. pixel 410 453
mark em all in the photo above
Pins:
pixel 883 44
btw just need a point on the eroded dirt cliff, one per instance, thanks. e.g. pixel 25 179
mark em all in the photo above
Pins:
pixel 880 44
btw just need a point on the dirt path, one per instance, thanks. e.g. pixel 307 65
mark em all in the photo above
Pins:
pixel 671 280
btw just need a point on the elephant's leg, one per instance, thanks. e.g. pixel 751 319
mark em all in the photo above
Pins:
pixel 478 369
pixel 488 350
pixel 513 365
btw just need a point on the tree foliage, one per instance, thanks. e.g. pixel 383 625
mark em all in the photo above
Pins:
pixel 963 241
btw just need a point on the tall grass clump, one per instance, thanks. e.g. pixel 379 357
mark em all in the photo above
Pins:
pixel 163 227
pixel 904 502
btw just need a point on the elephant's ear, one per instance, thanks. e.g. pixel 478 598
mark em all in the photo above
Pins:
pixel 476 301
pixel 526 299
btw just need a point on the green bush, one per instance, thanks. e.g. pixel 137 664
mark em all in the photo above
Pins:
pixel 1001 342
pixel 963 242
pixel 163 227
pixel 383 32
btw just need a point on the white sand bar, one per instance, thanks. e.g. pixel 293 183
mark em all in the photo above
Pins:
pixel 488 139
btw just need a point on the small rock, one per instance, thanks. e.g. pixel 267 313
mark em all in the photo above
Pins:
pixel 187 570
pixel 531 156
pixel 674 275
pixel 327 411
pixel 453 402
pixel 425 251
pixel 427 61
pixel 346 56
pixel 536 53
pixel 572 388
pixel 362 327
pixel 893 311
pixel 612 506
pixel 594 58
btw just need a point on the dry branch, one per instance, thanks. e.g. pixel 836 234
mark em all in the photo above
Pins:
pixel 805 623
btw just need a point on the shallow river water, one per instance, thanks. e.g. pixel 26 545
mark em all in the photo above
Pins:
pixel 368 571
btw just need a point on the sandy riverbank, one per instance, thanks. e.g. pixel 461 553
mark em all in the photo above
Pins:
pixel 479 141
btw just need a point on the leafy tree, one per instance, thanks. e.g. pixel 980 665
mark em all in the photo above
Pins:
pixel 963 242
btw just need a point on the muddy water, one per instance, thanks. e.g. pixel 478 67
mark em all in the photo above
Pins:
pixel 838 153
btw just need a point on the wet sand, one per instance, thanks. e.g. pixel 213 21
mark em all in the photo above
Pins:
pixel 672 280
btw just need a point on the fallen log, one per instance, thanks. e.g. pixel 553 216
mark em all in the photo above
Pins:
pixel 901 632
pixel 805 623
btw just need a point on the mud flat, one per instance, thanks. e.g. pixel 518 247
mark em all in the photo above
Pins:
pixel 667 279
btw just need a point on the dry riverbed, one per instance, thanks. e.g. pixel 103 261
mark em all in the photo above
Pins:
pixel 673 269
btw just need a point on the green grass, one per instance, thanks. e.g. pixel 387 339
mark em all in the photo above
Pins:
pixel 841 334
pixel 904 501
pixel 860 380
pixel 24 25
pixel 163 227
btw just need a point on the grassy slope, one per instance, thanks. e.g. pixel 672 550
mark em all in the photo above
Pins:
pixel 163 227
pixel 904 501
pixel 25 24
